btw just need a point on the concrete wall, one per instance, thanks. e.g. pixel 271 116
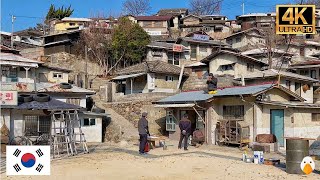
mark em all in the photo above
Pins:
pixel 239 68
pixel 33 53
pixel 140 84
pixel 48 73
pixel 92 133
pixel 246 41
pixel 164 27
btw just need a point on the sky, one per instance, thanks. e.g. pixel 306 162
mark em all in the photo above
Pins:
pixel 30 12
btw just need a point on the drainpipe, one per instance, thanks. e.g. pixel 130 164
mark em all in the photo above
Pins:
pixel 242 81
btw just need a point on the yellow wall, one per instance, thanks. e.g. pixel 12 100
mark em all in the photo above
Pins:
pixel 63 26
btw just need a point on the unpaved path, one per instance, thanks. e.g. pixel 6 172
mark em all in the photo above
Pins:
pixel 116 162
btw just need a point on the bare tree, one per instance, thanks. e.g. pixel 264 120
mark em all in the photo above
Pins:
pixel 205 7
pixel 315 2
pixel 136 7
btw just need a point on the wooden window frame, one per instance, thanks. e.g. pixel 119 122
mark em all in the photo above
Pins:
pixel 233 112
pixel 170 121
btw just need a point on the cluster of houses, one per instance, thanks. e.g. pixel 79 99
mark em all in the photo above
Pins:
pixel 272 88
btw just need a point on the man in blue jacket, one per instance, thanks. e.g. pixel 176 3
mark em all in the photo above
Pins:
pixel 185 128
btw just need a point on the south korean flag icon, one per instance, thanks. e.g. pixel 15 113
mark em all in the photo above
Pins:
pixel 28 160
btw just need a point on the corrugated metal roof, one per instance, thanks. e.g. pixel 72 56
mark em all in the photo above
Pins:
pixel 292 104
pixel 165 45
pixel 128 76
pixel 195 96
pixel 76 19
pixel 42 87
pixel 173 105
pixel 13 59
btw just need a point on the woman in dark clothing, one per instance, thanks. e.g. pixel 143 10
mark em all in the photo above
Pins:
pixel 212 84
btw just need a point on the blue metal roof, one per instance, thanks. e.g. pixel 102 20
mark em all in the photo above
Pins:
pixel 193 96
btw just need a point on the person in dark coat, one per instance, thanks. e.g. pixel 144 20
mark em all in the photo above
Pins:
pixel 212 84
pixel 143 130
pixel 185 128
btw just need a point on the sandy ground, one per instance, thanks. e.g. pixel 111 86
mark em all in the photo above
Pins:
pixel 123 162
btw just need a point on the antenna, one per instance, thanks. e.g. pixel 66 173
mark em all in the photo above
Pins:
pixel 12 21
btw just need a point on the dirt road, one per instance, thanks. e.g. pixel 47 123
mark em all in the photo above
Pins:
pixel 119 162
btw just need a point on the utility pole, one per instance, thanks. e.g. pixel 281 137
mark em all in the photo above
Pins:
pixel 12 21
pixel 243 7
pixel 86 68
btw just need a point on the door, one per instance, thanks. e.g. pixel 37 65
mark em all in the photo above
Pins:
pixel 277 125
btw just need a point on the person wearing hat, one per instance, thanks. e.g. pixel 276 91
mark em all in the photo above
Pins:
pixel 143 130
pixel 212 84
pixel 185 128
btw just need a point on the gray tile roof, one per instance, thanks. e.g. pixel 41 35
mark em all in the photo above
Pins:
pixel 274 73
pixel 195 96
pixel 53 104
pixel 151 66
pixel 214 54
pixel 172 12
pixel 165 45
pixel 210 42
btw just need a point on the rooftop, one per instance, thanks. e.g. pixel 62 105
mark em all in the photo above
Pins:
pixel 274 73
pixel 246 31
pixel 165 45
pixel 210 42
pixel 211 56
pixel 172 12
pixel 153 18
pixel 257 14
pixel 17 60
pixel 151 66
pixel 264 51
pixel 43 87
pixel 197 96
pixel 76 19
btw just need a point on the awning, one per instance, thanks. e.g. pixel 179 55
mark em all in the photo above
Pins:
pixel 128 76
pixel 173 105
pixel 19 64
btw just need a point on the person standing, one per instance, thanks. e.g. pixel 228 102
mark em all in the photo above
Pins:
pixel 143 130
pixel 185 128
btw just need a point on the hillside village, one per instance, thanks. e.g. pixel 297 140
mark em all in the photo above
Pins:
pixel 267 83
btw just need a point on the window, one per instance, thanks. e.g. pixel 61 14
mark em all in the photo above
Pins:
pixel 238 39
pixel 89 122
pixel 313 74
pixel 297 88
pixel 173 58
pixel 170 121
pixel 34 125
pixel 226 67
pixel 158 24
pixel 288 84
pixel 302 51
pixel 72 24
pixel 250 67
pixel 304 72
pixel 73 101
pixel 58 75
pixel 193 52
pixel 233 112
pixel 147 24
pixel 315 117
pixel 229 41
pixel 169 78
pixel 157 53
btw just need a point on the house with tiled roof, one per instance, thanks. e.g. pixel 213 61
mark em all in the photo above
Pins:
pixel 299 84
pixel 176 13
pixel 247 39
pixel 149 76
pixel 236 115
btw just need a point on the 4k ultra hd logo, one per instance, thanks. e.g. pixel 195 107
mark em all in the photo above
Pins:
pixel 295 19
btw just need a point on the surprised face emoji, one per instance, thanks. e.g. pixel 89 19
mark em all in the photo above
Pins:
pixel 307 165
